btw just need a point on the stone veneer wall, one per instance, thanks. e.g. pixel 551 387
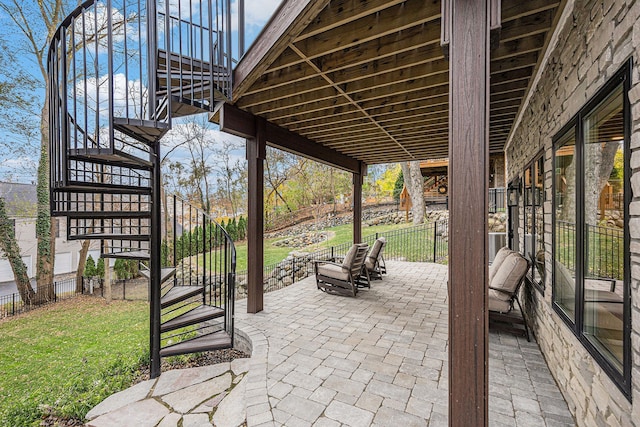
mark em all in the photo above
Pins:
pixel 593 43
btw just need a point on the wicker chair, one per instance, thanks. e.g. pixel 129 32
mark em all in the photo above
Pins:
pixel 343 279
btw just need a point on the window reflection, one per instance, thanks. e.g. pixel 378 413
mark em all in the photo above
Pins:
pixel 534 220
pixel 565 224
pixel 603 232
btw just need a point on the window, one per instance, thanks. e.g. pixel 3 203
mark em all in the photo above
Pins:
pixel 534 220
pixel 591 182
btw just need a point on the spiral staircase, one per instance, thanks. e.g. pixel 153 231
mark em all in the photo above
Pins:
pixel 119 72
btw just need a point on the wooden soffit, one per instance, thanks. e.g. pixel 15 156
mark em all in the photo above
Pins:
pixel 368 78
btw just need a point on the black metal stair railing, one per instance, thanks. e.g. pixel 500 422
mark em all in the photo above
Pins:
pixel 199 265
pixel 118 71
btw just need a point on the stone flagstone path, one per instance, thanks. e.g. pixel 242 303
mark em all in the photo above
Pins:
pixel 181 397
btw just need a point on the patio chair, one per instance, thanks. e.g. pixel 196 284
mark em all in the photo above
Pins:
pixel 505 280
pixel 343 279
pixel 375 261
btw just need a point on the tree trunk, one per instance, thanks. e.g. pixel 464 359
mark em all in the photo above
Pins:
pixel 569 200
pixel 82 261
pixel 9 245
pixel 599 161
pixel 414 183
pixel 44 225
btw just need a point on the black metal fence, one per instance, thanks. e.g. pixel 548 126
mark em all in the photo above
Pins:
pixel 604 256
pixel 421 243
pixel 136 289
pixel 497 199
pixel 12 304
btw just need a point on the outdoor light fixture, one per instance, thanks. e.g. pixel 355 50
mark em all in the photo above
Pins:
pixel 512 194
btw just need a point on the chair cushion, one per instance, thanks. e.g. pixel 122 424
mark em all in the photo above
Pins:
pixel 498 260
pixel 377 247
pixel 508 276
pixel 370 263
pixel 497 304
pixel 334 271
pixel 348 258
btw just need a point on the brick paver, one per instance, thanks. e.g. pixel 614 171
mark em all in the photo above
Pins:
pixel 319 360
pixel 381 358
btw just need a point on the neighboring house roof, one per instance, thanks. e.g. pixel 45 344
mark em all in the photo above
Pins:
pixel 21 199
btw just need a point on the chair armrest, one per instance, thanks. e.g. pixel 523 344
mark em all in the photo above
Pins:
pixel 326 262
pixel 501 290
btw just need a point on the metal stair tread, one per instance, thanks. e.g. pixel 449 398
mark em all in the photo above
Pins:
pixel 179 293
pixel 165 274
pixel 199 314
pixel 116 157
pixel 214 341
pixel 145 131
pixel 99 188
pixel 107 214
pixel 109 236
pixel 140 255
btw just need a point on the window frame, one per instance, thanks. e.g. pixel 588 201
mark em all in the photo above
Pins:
pixel 538 284
pixel 621 77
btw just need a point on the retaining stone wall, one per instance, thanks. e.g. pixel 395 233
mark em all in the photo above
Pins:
pixel 593 44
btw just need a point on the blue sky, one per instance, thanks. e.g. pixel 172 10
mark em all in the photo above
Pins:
pixel 22 168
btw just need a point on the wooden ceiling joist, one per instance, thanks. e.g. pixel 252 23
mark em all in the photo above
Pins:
pixel 367 78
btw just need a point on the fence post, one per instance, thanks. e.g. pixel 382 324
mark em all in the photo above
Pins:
pixel 293 269
pixel 204 258
pixel 13 305
pixel 435 235
pixel 55 294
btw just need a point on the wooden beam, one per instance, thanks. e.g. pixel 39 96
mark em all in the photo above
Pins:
pixel 256 153
pixel 242 123
pixel 357 207
pixel 293 143
pixel 342 12
pixel 468 185
pixel 371 27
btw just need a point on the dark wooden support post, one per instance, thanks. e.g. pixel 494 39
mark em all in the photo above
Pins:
pixel 357 208
pixel 468 184
pixel 256 153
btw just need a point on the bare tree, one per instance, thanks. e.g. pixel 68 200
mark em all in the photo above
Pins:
pixel 33 25
pixel 279 167
pixel 10 248
pixel 230 173
pixel 414 183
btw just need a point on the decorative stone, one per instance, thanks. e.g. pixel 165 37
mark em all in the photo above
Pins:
pixel 232 411
pixel 123 398
pixel 186 399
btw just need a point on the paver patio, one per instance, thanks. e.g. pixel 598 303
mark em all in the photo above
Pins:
pixel 379 359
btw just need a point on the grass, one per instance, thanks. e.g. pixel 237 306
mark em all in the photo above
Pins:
pixel 342 234
pixel 65 358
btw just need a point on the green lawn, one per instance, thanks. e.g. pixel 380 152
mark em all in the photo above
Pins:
pixel 69 356
pixel 274 254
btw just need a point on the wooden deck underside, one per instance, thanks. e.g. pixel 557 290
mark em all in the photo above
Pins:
pixel 369 78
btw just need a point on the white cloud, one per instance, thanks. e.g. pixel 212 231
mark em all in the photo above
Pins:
pixel 258 12
pixel 127 94
pixel 96 23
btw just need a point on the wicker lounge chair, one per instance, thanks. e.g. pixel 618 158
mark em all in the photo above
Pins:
pixel 344 278
pixel 506 275
pixel 375 261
